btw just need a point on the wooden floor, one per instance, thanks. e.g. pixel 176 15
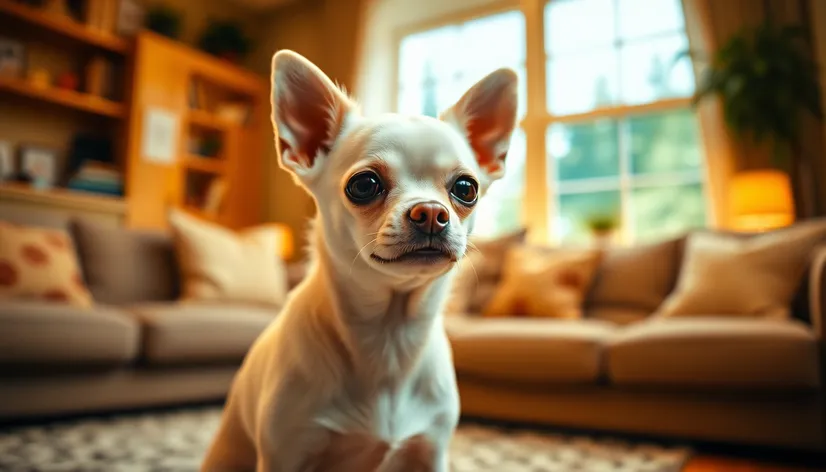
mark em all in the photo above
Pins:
pixel 720 464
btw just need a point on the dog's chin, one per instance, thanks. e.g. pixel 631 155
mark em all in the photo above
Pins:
pixel 422 261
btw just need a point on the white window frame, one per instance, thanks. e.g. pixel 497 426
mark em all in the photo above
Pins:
pixel 540 204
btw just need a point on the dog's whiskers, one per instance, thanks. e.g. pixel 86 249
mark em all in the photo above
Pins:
pixel 470 261
pixel 359 253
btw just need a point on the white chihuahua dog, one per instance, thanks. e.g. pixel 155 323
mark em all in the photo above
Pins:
pixel 356 374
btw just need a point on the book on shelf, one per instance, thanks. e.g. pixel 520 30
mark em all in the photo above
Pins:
pixel 99 77
pixel 97 177
pixel 102 15
pixel 215 196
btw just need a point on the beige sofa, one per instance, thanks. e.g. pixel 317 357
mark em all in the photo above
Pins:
pixel 720 379
pixel 137 347
pixel 746 381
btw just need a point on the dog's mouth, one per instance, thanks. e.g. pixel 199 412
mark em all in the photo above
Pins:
pixel 424 255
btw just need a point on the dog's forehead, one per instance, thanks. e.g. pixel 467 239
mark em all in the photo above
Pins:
pixel 416 142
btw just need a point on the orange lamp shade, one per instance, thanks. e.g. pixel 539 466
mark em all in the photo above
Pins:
pixel 285 240
pixel 761 200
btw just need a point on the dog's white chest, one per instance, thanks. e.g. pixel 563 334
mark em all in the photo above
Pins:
pixel 394 414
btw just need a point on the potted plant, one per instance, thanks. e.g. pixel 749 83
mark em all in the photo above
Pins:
pixel 765 83
pixel 164 21
pixel 602 226
pixel 226 40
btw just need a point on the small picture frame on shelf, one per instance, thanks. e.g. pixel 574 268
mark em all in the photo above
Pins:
pixel 12 58
pixel 8 169
pixel 39 164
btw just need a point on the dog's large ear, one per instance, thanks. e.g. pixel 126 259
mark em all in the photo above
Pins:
pixel 308 112
pixel 486 115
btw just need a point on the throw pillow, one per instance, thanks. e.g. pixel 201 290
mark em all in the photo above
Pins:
pixel 40 263
pixel 219 264
pixel 538 282
pixel 478 273
pixel 124 266
pixel 725 274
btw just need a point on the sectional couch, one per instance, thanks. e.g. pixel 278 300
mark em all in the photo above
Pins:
pixel 720 379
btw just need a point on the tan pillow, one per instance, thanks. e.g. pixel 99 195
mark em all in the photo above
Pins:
pixel 40 263
pixel 725 274
pixel 218 264
pixel 639 277
pixel 480 269
pixel 542 283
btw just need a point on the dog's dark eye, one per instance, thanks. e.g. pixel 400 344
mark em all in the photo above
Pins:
pixel 363 187
pixel 465 190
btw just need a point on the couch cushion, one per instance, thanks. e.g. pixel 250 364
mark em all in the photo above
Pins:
pixel 39 263
pixel 715 352
pixel 528 350
pixel 756 276
pixel 200 332
pixel 221 265
pixel 543 284
pixel 36 333
pixel 124 266
pixel 637 277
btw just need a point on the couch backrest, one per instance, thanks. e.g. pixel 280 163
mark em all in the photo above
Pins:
pixel 123 266
pixel 633 281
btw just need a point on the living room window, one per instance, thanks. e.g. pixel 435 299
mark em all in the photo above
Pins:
pixel 437 66
pixel 620 141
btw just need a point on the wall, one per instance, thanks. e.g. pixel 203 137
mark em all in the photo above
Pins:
pixel 324 32
pixel 817 9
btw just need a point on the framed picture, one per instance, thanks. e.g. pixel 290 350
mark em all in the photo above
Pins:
pixel 8 169
pixel 40 165
pixel 12 58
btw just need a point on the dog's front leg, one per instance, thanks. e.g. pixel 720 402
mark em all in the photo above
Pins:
pixel 415 454
pixel 287 440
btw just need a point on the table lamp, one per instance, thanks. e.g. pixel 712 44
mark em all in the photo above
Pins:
pixel 761 200
pixel 285 240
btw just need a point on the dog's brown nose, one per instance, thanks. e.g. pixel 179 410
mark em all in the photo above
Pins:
pixel 429 217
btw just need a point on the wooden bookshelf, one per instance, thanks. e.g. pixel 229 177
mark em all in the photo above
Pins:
pixel 63 198
pixel 218 172
pixel 206 120
pixel 65 27
pixel 67 98
pixel 205 164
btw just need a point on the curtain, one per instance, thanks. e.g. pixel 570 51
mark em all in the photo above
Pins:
pixel 710 24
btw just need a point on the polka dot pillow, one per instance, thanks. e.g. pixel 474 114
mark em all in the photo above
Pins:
pixel 40 263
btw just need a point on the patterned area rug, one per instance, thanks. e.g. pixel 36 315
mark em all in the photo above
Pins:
pixel 176 441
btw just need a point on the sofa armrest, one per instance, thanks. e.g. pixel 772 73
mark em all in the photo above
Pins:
pixel 817 292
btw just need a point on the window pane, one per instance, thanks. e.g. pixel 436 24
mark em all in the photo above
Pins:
pixel 576 209
pixel 582 83
pixel 500 210
pixel 663 212
pixel 429 98
pixel 639 18
pixel 437 66
pixel 649 72
pixel 491 42
pixel 431 53
pixel 584 151
pixel 578 25
pixel 664 142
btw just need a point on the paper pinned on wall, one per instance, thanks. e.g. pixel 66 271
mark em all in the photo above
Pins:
pixel 159 136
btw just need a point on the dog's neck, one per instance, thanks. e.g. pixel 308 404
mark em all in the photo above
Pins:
pixel 383 326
